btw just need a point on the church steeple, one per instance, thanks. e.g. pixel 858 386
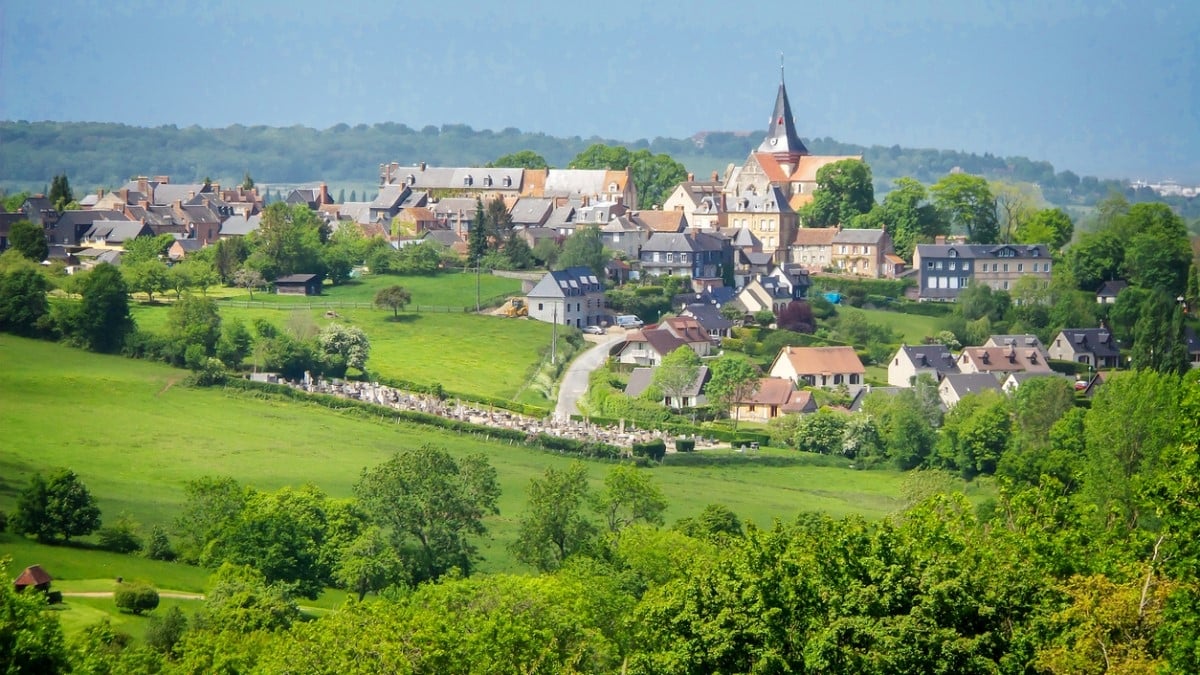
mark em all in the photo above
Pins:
pixel 782 140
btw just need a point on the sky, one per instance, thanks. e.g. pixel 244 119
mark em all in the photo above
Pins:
pixel 1102 88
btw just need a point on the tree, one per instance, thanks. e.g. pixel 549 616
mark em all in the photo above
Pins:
pixel 249 279
pixel 31 638
pixel 368 564
pixel 1016 206
pixel 344 346
pixel 1158 252
pixel 121 536
pixel 211 503
pixel 135 598
pixel 733 380
pixel 159 545
pixel 101 321
pixel 394 298
pixel 229 255
pixel 289 240
pixel 241 601
pixel 247 182
pixel 193 321
pixel 524 159
pixel 822 432
pixel 630 497
pixel 764 317
pixel 1096 258
pixel 907 216
pixel 29 239
pixel 1052 227
pixel 967 204
pixel 584 248
pixel 1159 341
pixel 141 249
pixel 234 344
pixel 432 504
pixel 676 373
pixel 497 220
pixel 974 434
pixel 654 176
pixel 731 311
pixel 553 526
pixel 23 301
pixel 60 192
pixel 477 236
pixel 60 507
pixel 164 633
pixel 147 276
pixel 844 192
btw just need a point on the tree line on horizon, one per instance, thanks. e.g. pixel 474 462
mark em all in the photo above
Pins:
pixel 98 155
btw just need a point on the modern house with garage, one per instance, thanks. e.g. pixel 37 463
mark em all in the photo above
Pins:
pixel 1092 346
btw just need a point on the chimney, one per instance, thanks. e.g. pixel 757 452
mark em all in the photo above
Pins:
pixel 162 179
pixel 691 177
pixel 422 166
pixel 123 193
pixel 715 178
pixel 940 240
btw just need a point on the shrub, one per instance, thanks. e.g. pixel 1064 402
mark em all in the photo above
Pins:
pixel 159 546
pixel 655 450
pixel 135 598
pixel 685 445
pixel 121 536
pixel 165 633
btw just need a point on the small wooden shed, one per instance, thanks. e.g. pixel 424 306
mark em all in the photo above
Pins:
pixel 33 576
pixel 298 284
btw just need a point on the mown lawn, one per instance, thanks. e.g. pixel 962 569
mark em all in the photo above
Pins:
pixel 465 352
pixel 135 434
pixel 449 290
pixel 913 328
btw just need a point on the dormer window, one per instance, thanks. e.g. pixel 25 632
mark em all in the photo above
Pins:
pixel 612 187
pixel 410 179
pixel 508 181
pixel 487 181
pixel 468 181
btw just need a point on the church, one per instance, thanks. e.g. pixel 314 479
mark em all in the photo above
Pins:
pixel 781 160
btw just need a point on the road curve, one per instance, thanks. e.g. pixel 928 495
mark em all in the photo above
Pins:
pixel 575 380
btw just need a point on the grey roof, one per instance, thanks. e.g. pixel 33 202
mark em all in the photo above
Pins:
pixel 236 225
pixel 1098 341
pixel 757 257
pixel 932 356
pixel 115 231
pixel 567 182
pixel 1111 289
pixel 972 383
pixel 169 193
pixel 296 279
pixel 453 206
pixel 531 210
pixel 444 237
pixel 639 381
pixel 573 281
pixel 1022 340
pixel 981 250
pixel 189 245
pixel 708 316
pixel 460 178
pixel 540 233
pixel 855 236
pixel 745 238
pixel 772 200
pixel 413 198
pixel 670 242
pixel 562 216
pixel 390 197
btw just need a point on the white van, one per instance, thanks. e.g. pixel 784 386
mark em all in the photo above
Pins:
pixel 629 321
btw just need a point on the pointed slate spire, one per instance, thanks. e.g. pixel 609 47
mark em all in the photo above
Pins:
pixel 782 140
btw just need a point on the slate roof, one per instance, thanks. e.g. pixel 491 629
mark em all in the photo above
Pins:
pixel 169 193
pixel 236 226
pixel 641 378
pixel 971 383
pixel 987 251
pixel 746 239
pixel 659 339
pixel 115 231
pixel 771 200
pixel 1111 289
pixel 530 211
pixel 297 279
pixel 568 182
pixel 452 207
pixel 673 242
pixel 571 282
pixel 711 295
pixel 446 238
pixel 781 134
pixel 931 356
pixel 857 236
pixel 390 197
pixel 1098 341
pixel 709 317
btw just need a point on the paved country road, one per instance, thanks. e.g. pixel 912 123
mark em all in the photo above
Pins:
pixel 575 380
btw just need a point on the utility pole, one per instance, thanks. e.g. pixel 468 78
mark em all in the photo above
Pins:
pixel 477 265
pixel 554 337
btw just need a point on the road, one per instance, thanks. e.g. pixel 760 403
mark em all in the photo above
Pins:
pixel 575 381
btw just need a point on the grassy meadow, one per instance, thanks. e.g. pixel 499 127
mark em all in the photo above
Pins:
pixel 135 435
pixel 465 352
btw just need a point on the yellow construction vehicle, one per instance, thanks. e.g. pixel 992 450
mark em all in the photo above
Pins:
pixel 514 307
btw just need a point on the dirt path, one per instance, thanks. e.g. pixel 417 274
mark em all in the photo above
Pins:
pixel 108 594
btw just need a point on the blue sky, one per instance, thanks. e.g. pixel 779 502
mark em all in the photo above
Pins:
pixel 1111 89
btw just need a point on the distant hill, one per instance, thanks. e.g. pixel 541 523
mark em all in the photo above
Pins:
pixel 95 155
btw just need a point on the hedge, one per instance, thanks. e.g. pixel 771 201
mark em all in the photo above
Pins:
pixel 925 308
pixel 655 450
pixel 1068 367
pixel 685 445
pixel 686 429
pixel 892 288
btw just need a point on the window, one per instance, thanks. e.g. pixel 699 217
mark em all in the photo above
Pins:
pixel 837 379
pixel 1006 283
pixel 938 265
pixel 1020 267
pixel 1005 267
pixel 953 265
pixel 932 282
pixel 854 378
pixel 539 306
pixel 929 265
pixel 966 265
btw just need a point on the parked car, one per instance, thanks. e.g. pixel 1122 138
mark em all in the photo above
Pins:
pixel 593 330
pixel 629 321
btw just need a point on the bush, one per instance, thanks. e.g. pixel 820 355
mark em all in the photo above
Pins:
pixel 1068 367
pixel 135 598
pixel 159 546
pixel 121 536
pixel 165 633
pixel 655 450
pixel 685 445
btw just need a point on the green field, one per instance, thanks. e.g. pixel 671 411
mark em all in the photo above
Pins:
pixel 913 328
pixel 135 435
pixel 450 290
pixel 465 352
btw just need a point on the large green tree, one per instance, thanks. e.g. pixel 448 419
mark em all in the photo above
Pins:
pixel 477 236
pixel 908 217
pixel 653 175
pixel 29 239
pixel 1158 252
pixel 678 371
pixel 433 504
pixel 101 320
pixel 60 507
pixel 1159 342
pixel 734 379
pixel 193 321
pixel 1052 227
pixel 554 525
pixel 844 192
pixel 629 498
pixel 967 204
pixel 522 159
pixel 394 297
pixel 23 300
pixel 60 192
pixel 289 240
pixel 584 248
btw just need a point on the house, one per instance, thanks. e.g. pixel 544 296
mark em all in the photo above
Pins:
pixel 820 367
pixel 912 361
pixel 1193 346
pixel 648 346
pixel 1109 290
pixel 697 256
pixel 1092 346
pixel 812 248
pixel 599 185
pixel 239 226
pixel 764 292
pixel 767 216
pixel 793 277
pixel 571 297
pixel 455 213
pixel 1013 381
pixel 689 330
pixel 957 385
pixel 388 203
pixel 701 202
pixel 313 196
pixel 181 248
pixel 774 396
pixel 33 577
pixel 487 183
pixel 691 397
pixel 1000 361
pixel 625 235
pixel 530 212
pixel 781 160
pixel 710 319
pixel 298 284
pixel 1027 340
pixel 113 234
pixel 597 212
pixel 70 226
pixel 944 270
pixel 411 222
pixel 861 252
